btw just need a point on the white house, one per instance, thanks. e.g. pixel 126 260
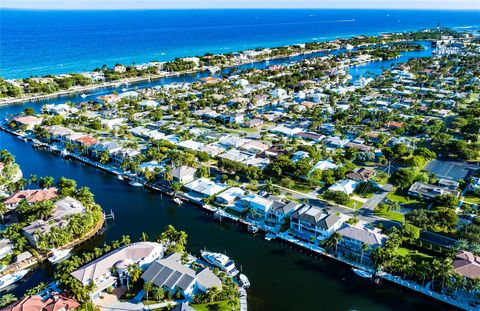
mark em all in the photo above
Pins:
pixel 205 187
pixel 184 174
pixel 259 204
pixel 346 186
pixel 324 165
pixel 311 222
pixel 6 247
pixel 230 195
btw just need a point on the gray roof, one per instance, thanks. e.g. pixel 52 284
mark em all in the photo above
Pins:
pixel 286 208
pixel 363 235
pixel 315 216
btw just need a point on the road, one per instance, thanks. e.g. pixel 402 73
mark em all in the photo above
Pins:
pixel 372 202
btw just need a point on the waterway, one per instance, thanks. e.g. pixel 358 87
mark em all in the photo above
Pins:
pixel 282 278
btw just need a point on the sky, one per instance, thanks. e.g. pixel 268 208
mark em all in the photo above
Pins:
pixel 172 4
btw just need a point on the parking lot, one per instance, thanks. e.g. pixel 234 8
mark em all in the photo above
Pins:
pixel 451 169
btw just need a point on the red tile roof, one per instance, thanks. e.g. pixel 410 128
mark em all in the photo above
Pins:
pixel 35 303
pixel 32 196
pixel 467 264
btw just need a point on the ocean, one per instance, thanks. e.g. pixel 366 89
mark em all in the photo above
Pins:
pixel 54 42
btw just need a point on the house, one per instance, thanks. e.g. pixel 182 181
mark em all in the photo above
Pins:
pixel 253 123
pixel 336 142
pixel 6 247
pixel 360 239
pixel 184 174
pixel 346 186
pixel 427 191
pixel 448 183
pixel 146 103
pixel 121 155
pixel 360 174
pixel 27 122
pixel 298 155
pixel 254 146
pixel 100 272
pixel 31 196
pixel 257 203
pixel 108 146
pixel 467 264
pixel 229 196
pixel 66 207
pixel 312 222
pixel 324 165
pixel 56 302
pixel 59 109
pixel 205 187
pixel 170 274
pixel 111 123
pixel 191 144
pixel 281 211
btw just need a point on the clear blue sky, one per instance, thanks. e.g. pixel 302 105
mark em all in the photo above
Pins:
pixel 164 4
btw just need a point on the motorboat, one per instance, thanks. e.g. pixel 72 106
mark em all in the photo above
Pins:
pixel 178 201
pixel 135 183
pixel 119 177
pixel 244 280
pixel 220 261
pixel 59 255
pixel 362 273
pixel 83 96
pixel 11 278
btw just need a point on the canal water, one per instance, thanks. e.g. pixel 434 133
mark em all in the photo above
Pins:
pixel 282 278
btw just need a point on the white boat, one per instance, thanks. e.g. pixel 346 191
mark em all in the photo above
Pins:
pixel 244 281
pixel 221 261
pixel 253 229
pixel 124 89
pixel 178 201
pixel 119 177
pixel 362 273
pixel 11 278
pixel 83 96
pixel 135 183
pixel 269 236
pixel 58 255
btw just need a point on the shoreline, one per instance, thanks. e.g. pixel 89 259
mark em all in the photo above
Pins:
pixel 219 216
pixel 136 80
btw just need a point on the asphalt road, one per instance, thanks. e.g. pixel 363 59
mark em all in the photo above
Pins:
pixel 374 200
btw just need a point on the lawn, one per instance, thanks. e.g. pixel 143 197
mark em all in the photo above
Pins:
pixel 354 204
pixel 392 215
pixel 415 254
pixel 212 306
pixel 469 198
pixel 402 198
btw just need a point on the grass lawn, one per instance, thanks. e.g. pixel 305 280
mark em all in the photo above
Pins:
pixel 472 199
pixel 392 215
pixel 354 204
pixel 213 306
pixel 402 198
pixel 415 254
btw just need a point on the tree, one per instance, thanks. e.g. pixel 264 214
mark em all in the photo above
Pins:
pixel 104 157
pixel 144 237
pixel 364 248
pixel 202 171
pixel 46 182
pixel 158 293
pixel 147 287
pixel 7 299
pixel 411 232
pixel 403 178
pixel 134 271
pixel 337 197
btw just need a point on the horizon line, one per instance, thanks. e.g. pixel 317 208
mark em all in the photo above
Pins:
pixel 236 8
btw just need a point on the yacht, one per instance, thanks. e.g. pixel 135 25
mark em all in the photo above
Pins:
pixel 362 273
pixel 11 278
pixel 178 201
pixel 58 255
pixel 244 281
pixel 221 261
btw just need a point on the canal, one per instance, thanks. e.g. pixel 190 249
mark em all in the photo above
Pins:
pixel 282 278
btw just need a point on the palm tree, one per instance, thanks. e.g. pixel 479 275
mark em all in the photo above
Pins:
pixel 144 237
pixel 364 248
pixel 158 293
pixel 168 176
pixel 147 287
pixel 7 299
pixel 134 272
pixel 90 288
pixel 125 240
pixel 46 182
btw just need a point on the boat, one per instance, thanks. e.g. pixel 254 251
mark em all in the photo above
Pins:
pixel 65 153
pixel 270 236
pixel 178 201
pixel 11 278
pixel 221 261
pixel 253 229
pixel 83 96
pixel 124 89
pixel 58 255
pixel 362 273
pixel 244 280
pixel 119 177
pixel 135 183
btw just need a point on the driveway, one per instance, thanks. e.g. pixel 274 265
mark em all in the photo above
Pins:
pixel 374 200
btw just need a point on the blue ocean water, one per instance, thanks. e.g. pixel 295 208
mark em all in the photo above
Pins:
pixel 43 42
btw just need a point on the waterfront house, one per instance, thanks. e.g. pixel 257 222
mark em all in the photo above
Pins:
pixel 100 272
pixel 230 195
pixel 27 122
pixel 205 187
pixel 281 211
pixel 31 196
pixel 123 154
pixel 257 203
pixel 66 207
pixel 170 274
pixel 346 186
pixel 311 222
pixel 354 237
pixel 183 174
pixel 427 191
pixel 108 146
pixel 59 109
pixel 467 265
pixel 6 247
pixel 55 302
